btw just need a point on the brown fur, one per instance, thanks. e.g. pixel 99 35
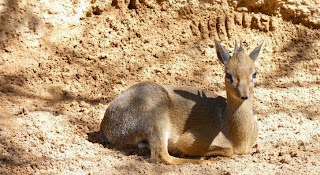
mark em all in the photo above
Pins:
pixel 186 120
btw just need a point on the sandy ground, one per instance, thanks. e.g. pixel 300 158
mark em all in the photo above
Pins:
pixel 62 62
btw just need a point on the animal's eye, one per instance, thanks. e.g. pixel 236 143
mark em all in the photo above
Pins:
pixel 229 77
pixel 254 75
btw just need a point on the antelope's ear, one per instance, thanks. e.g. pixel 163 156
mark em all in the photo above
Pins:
pixel 222 53
pixel 255 53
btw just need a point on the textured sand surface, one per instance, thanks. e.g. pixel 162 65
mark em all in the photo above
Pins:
pixel 62 62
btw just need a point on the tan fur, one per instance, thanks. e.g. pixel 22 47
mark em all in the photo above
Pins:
pixel 186 120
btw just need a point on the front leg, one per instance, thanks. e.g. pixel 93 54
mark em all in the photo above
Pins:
pixel 218 151
pixel 197 143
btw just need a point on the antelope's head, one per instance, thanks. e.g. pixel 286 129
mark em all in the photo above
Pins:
pixel 240 70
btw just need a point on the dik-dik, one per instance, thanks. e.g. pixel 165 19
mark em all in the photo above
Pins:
pixel 187 120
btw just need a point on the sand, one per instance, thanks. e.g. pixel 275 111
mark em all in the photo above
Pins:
pixel 62 62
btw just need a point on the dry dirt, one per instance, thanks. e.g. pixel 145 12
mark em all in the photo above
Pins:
pixel 62 62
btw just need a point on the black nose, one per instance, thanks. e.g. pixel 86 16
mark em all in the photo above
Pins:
pixel 244 97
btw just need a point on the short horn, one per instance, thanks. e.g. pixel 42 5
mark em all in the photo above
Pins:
pixel 235 47
pixel 241 47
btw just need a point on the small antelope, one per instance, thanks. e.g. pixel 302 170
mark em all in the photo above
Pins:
pixel 188 121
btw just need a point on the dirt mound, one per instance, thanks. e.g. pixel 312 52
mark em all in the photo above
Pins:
pixel 62 62
pixel 301 11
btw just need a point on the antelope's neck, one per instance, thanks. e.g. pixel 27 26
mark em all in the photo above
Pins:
pixel 240 120
pixel 237 109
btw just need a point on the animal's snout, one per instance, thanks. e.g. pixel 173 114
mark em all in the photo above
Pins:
pixel 244 97
pixel 243 92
